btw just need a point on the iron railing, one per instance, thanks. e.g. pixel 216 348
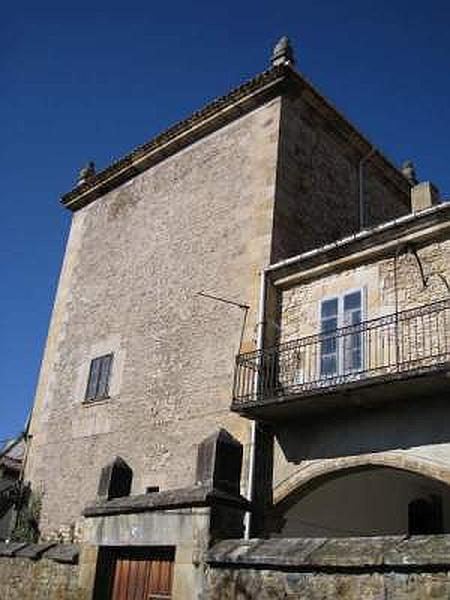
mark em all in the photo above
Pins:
pixel 412 340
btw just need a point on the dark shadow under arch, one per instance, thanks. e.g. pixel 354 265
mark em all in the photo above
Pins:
pixel 364 499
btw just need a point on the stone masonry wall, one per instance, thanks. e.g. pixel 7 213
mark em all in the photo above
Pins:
pixel 301 304
pixel 409 435
pixel 207 218
pixel 264 584
pixel 38 571
pixel 318 186
pixel 24 579
pixel 136 258
pixel 352 569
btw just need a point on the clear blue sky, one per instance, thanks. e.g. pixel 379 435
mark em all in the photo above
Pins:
pixel 81 81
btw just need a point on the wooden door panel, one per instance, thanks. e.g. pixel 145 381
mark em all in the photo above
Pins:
pixel 143 574
pixel 160 580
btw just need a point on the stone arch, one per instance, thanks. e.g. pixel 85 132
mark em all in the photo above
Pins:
pixel 312 473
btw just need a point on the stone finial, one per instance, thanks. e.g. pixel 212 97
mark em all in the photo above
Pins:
pixel 86 173
pixel 283 53
pixel 424 195
pixel 409 171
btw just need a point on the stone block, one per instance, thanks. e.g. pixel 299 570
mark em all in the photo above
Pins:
pixel 420 550
pixel 10 548
pixel 63 553
pixel 424 195
pixel 281 552
pixel 219 462
pixel 34 551
pixel 351 552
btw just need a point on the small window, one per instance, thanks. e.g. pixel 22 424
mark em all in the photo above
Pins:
pixel 99 375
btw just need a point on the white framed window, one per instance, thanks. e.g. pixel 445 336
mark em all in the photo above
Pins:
pixel 341 352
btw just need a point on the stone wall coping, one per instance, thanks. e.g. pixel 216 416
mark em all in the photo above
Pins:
pixel 34 551
pixel 10 548
pixel 306 554
pixel 63 553
pixel 261 88
pixel 187 497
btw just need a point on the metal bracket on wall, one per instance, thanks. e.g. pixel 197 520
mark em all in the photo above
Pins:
pixel 243 307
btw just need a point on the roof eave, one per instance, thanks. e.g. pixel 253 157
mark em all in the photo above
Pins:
pixel 364 246
pixel 214 115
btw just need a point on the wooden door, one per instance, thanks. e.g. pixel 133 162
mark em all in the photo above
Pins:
pixel 143 574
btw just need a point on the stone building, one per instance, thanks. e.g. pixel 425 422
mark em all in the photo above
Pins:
pixel 353 392
pixel 11 462
pixel 218 238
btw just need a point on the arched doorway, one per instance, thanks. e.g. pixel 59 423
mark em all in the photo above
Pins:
pixel 365 501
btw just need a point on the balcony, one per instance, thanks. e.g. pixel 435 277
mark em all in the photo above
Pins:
pixel 361 364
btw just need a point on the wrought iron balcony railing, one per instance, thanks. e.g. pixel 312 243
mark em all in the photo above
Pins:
pixel 413 340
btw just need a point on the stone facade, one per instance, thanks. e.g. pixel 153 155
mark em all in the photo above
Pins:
pixel 135 262
pixel 318 181
pixel 206 206
pixel 403 268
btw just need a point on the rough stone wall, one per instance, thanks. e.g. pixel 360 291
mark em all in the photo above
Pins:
pixel 24 579
pixel 200 220
pixel 300 305
pixel 318 186
pixel 207 218
pixel 383 201
pixel 412 436
pixel 233 584
pixel 435 260
pixel 372 568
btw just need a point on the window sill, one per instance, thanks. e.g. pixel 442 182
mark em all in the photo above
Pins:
pixel 96 402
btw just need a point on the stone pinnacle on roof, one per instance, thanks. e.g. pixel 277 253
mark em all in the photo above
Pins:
pixel 86 173
pixel 409 171
pixel 283 53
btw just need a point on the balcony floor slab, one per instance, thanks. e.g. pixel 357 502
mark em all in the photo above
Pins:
pixel 401 386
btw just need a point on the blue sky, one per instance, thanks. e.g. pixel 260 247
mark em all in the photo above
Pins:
pixel 90 81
